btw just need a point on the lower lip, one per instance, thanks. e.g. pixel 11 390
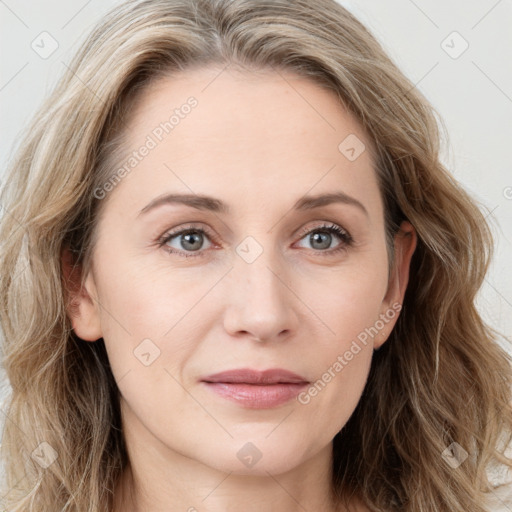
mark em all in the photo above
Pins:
pixel 253 396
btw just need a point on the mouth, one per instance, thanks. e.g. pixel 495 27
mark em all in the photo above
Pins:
pixel 254 389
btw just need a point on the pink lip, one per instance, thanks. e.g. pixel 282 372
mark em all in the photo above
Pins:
pixel 254 389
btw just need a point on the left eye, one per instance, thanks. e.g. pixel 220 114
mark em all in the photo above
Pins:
pixel 192 240
pixel 324 233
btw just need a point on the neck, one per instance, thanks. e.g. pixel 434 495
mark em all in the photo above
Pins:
pixel 194 489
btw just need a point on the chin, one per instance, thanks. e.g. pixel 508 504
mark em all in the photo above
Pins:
pixel 256 455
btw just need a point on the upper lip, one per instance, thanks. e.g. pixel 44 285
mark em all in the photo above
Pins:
pixel 249 376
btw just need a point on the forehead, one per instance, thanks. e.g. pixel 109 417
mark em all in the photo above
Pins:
pixel 233 105
pixel 260 134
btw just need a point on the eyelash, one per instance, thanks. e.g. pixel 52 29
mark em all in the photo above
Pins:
pixel 346 239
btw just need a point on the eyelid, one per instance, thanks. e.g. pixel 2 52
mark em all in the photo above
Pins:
pixel 325 225
pixel 192 226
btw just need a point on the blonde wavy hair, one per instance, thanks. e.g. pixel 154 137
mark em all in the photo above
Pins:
pixel 441 377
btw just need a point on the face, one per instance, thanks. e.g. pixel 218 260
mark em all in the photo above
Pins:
pixel 265 275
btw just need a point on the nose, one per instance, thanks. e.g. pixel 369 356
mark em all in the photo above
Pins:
pixel 260 301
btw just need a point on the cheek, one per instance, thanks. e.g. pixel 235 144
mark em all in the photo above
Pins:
pixel 349 309
pixel 145 299
pixel 347 301
pixel 151 319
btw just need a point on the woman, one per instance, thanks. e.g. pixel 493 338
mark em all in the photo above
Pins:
pixel 174 337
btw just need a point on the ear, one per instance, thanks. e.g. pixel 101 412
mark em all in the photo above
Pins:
pixel 404 246
pixel 81 304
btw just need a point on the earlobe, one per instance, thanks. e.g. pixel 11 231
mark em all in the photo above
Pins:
pixel 81 306
pixel 404 246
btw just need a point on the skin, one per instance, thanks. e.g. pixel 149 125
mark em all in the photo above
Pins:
pixel 258 141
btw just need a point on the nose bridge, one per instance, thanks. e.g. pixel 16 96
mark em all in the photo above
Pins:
pixel 260 301
pixel 261 278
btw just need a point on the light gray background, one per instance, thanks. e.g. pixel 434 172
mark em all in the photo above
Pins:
pixel 472 93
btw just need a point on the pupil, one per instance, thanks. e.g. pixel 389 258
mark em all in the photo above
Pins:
pixel 187 240
pixel 318 236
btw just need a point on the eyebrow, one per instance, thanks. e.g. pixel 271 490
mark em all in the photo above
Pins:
pixel 201 202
